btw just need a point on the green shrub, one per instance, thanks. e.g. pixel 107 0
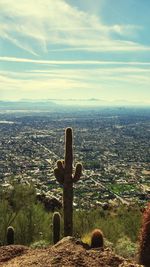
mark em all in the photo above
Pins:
pixel 39 244
pixel 31 223
pixel 126 248
pixel 114 224
pixel 29 218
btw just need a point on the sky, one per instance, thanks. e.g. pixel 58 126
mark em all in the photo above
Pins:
pixel 75 49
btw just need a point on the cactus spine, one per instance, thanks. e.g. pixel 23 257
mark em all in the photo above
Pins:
pixel 56 227
pixel 97 239
pixel 144 252
pixel 10 235
pixel 64 175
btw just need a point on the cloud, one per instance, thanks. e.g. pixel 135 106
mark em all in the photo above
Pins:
pixel 36 25
pixel 108 83
pixel 71 62
pixel 39 87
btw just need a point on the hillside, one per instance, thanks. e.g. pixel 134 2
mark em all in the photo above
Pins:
pixel 67 252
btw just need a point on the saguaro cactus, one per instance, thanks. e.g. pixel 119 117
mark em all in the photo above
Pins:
pixel 56 227
pixel 144 251
pixel 10 235
pixel 64 175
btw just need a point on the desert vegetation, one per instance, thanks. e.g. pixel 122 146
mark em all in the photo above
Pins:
pixel 33 224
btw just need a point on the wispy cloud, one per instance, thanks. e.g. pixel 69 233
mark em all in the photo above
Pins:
pixel 77 83
pixel 39 88
pixel 72 62
pixel 73 52
pixel 78 73
pixel 34 25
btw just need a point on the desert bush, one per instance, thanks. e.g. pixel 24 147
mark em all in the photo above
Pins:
pixel 5 215
pixel 29 218
pixel 39 244
pixel 125 248
pixel 115 225
pixel 32 223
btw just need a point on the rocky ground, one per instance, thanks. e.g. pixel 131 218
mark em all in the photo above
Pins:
pixel 68 252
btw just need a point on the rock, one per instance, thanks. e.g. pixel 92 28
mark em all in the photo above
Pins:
pixel 68 252
pixel 12 251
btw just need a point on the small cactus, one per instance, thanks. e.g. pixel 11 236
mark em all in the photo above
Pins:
pixel 64 175
pixel 97 239
pixel 56 227
pixel 10 235
pixel 144 251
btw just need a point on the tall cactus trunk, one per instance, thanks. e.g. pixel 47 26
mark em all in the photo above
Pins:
pixel 68 207
pixel 64 175
pixel 68 185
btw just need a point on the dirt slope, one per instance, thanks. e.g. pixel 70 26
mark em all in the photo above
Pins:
pixel 65 253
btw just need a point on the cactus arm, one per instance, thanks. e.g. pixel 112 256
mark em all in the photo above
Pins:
pixel 59 172
pixel 60 165
pixel 58 176
pixel 78 173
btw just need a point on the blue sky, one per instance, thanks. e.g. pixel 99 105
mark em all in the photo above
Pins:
pixel 79 49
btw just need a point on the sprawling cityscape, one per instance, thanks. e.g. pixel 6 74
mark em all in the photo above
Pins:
pixel 113 145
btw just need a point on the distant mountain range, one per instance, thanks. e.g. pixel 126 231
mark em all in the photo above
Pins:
pixel 28 105
pixel 62 104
